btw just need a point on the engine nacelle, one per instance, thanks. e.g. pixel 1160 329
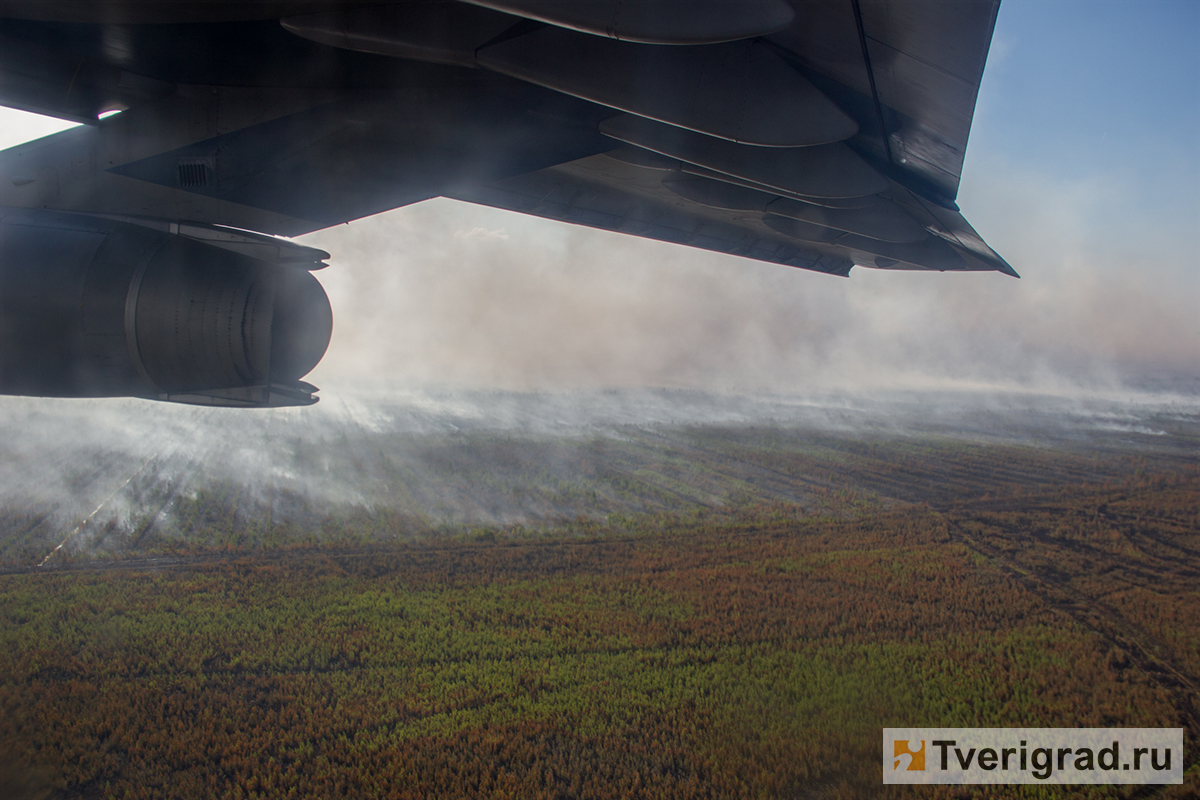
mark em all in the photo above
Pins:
pixel 103 307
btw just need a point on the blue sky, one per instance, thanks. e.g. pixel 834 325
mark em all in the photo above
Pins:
pixel 1078 89
pixel 1082 171
pixel 1073 84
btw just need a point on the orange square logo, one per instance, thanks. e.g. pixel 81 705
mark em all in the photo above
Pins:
pixel 908 755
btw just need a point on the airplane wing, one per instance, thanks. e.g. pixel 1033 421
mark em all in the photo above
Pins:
pixel 821 134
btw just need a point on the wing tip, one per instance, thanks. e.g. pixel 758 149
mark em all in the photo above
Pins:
pixel 1006 268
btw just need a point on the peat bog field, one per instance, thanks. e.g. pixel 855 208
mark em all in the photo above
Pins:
pixel 678 610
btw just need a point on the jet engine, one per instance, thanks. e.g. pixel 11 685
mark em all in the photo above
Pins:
pixel 102 306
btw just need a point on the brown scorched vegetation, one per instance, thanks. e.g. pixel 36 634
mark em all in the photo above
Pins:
pixel 750 650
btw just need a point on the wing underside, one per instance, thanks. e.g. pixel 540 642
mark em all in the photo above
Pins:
pixel 819 134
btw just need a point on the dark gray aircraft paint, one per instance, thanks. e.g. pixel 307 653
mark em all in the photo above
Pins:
pixel 140 253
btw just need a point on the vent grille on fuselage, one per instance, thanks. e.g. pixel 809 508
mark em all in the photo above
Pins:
pixel 193 174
